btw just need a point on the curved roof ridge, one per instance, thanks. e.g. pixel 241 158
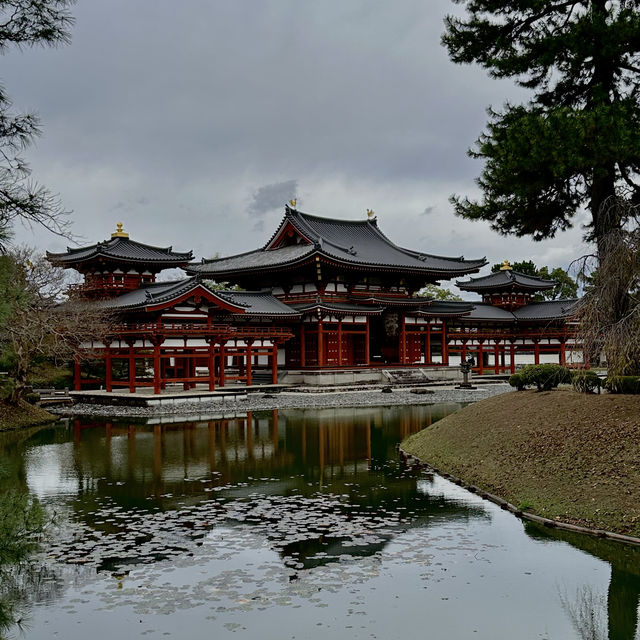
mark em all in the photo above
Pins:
pixel 420 254
pixel 109 248
pixel 235 255
pixel 506 278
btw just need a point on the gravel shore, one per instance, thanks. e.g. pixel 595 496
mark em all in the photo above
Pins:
pixel 258 401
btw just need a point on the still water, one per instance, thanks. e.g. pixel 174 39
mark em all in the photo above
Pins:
pixel 293 524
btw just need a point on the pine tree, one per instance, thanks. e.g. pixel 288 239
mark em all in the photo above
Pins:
pixel 576 143
pixel 26 23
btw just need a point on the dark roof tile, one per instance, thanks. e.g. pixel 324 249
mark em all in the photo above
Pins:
pixel 506 280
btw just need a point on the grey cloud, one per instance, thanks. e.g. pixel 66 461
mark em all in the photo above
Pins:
pixel 428 210
pixel 272 196
pixel 194 108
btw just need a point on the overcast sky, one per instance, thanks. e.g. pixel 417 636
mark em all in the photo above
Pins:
pixel 193 123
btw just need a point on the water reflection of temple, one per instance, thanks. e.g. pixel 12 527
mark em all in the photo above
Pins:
pixel 307 457
pixel 166 458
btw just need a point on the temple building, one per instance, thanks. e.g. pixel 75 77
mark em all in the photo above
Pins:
pixel 322 295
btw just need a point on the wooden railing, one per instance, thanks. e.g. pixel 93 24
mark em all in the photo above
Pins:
pixel 200 329
pixel 469 334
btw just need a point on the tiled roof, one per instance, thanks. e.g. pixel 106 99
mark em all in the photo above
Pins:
pixel 548 310
pixel 259 303
pixel 248 302
pixel 506 280
pixel 121 250
pixel 258 259
pixel 355 242
pixel 446 308
pixel 339 308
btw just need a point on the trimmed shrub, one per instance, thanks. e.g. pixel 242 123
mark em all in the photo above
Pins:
pixel 545 376
pixel 586 381
pixel 517 381
pixel 623 384
pixel 31 397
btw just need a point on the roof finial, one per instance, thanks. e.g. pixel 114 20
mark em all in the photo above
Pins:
pixel 370 213
pixel 506 266
pixel 293 203
pixel 119 233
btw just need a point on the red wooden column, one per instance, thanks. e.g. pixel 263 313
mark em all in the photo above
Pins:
pixel 303 357
pixel 340 342
pixel 427 345
pixel 367 356
pixel 274 363
pixel 445 345
pixel 212 364
pixel 563 353
pixel 157 367
pixel 249 363
pixel 223 358
pixel 77 385
pixel 187 371
pixel 321 359
pixel 512 356
pixel 132 368
pixel 496 355
pixel 480 358
pixel 463 353
pixel 403 341
pixel 536 351
pixel 108 373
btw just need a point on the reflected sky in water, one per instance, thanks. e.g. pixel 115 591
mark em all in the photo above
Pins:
pixel 296 524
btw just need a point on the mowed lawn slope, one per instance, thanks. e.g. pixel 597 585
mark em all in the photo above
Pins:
pixel 560 454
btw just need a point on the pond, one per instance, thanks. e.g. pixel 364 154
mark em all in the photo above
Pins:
pixel 292 524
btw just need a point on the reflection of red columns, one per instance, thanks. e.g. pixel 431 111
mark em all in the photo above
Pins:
pixel 274 363
pixel 77 385
pixel 249 363
pixel 132 369
pixel 536 352
pixel 223 359
pixel 108 373
pixel 249 435
pixel 157 452
pixel 367 357
pixel 212 445
pixel 275 431
pixel 369 443
pixel 212 364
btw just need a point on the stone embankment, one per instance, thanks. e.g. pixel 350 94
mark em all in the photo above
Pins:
pixel 259 401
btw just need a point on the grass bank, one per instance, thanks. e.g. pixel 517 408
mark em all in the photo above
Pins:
pixel 559 454
pixel 22 415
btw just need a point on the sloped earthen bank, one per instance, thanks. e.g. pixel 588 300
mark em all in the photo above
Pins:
pixel 568 457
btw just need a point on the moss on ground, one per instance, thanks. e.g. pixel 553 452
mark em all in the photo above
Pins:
pixel 563 455
pixel 22 415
